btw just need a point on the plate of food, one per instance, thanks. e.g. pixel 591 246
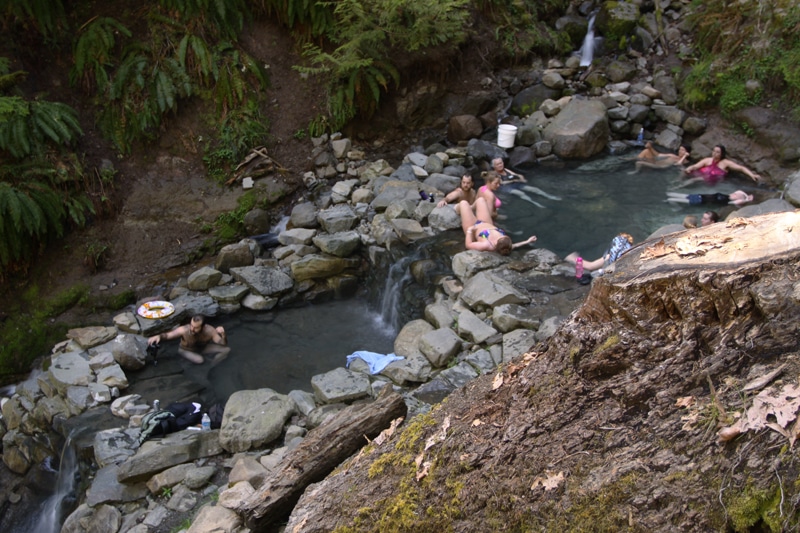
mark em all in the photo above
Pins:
pixel 155 309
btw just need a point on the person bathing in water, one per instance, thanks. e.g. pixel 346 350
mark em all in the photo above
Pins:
pixel 652 158
pixel 713 169
pixel 506 174
pixel 479 232
pixel 197 339
pixel 465 191
pixel 492 182
pixel 736 198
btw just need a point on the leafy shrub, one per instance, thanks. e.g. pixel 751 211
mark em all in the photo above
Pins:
pixel 763 32
pixel 29 334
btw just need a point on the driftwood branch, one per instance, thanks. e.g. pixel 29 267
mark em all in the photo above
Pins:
pixel 256 164
pixel 323 449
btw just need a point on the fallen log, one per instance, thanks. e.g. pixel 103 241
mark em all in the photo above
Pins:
pixel 322 450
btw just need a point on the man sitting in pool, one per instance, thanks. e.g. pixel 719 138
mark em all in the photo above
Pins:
pixel 197 339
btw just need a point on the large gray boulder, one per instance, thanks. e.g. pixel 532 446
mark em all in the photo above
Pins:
pixel 234 255
pixel 317 266
pixel 174 449
pixel 580 131
pixel 340 244
pixel 129 351
pixel 340 385
pixel 439 346
pixel 486 290
pixel 254 418
pixel 337 218
pixel 70 369
pixel 263 280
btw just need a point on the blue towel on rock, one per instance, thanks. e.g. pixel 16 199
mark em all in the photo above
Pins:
pixel 376 361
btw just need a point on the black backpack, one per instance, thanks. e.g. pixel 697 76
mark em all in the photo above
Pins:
pixel 215 413
pixel 185 415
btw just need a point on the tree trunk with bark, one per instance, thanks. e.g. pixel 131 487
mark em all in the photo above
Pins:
pixel 629 418
pixel 322 450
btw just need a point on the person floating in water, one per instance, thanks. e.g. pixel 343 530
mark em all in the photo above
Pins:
pixel 506 174
pixel 652 158
pixel 619 245
pixel 713 169
pixel 197 339
pixel 736 198
pixel 480 234
pixel 465 191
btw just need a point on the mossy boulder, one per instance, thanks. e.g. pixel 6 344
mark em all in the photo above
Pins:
pixel 617 21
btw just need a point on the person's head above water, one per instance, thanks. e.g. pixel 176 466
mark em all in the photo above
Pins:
pixel 709 217
pixel 498 165
pixel 719 152
pixel 492 179
pixel 466 182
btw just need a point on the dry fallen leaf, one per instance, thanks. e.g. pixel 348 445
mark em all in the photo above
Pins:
pixel 476 422
pixel 440 435
pixel 388 432
pixel 498 381
pixel 685 401
pixel 550 482
pixel 657 250
pixel 737 222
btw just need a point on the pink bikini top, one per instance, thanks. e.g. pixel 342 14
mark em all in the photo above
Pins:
pixel 497 202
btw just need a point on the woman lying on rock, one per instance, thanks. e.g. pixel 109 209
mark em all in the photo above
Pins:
pixel 480 234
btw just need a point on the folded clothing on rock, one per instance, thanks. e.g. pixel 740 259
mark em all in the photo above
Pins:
pixel 376 361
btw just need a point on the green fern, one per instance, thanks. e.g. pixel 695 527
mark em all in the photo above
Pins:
pixel 46 16
pixel 27 127
pixel 93 53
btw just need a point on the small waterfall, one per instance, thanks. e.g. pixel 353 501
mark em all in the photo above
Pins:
pixel 398 278
pixel 55 509
pixel 410 281
pixel 587 49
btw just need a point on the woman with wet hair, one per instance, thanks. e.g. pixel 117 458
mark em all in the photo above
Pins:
pixel 479 232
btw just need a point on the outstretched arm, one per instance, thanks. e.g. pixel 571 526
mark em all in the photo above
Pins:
pixel 730 165
pixel 174 334
pixel 530 239
pixel 700 164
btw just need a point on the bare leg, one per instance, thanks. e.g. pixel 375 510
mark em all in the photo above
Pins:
pixel 467 216
pixel 194 357
pixel 219 352
pixel 587 265
pixel 482 210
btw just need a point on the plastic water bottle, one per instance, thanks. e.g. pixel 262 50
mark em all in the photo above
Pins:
pixel 205 423
pixel 579 268
pixel 640 138
pixel 156 405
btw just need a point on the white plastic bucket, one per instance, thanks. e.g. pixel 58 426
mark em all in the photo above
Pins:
pixel 506 133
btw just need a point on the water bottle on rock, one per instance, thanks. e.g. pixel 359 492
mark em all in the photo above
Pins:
pixel 205 423
pixel 579 268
